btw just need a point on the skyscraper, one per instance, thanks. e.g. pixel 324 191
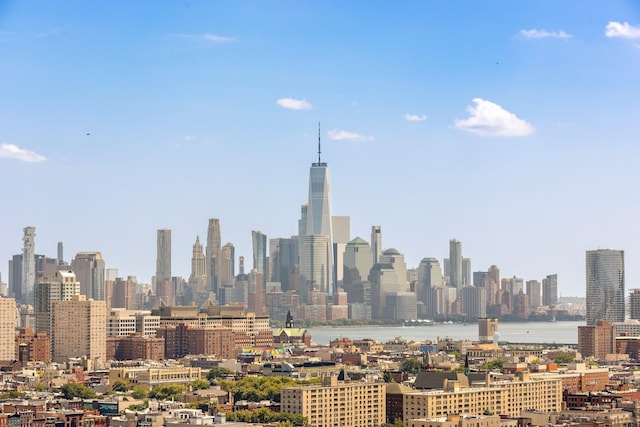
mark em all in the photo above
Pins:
pixel 61 286
pixel 319 224
pixel 226 265
pixel 455 264
pixel 357 262
pixel 60 253
pixel 163 256
pixel 605 286
pixel 28 264
pixel 376 243
pixel 89 268
pixel 214 244
pixel 634 304
pixel 550 290
pixel 260 255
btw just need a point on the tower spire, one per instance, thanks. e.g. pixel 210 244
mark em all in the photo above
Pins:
pixel 319 151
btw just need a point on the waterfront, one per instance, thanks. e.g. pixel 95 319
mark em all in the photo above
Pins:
pixel 515 332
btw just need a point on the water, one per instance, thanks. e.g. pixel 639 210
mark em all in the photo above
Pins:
pixel 515 332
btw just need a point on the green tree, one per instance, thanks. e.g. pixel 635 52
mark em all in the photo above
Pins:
pixel 396 423
pixel 492 365
pixel 387 377
pixel 167 392
pixel 199 385
pixel 12 394
pixel 77 390
pixel 218 372
pixel 411 365
pixel 255 389
pixel 120 386
pixel 564 358
pixel 139 392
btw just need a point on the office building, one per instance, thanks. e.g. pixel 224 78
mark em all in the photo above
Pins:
pixel 337 403
pixel 89 268
pixel 550 290
pixel 62 286
pixel 283 258
pixel 260 255
pixel 226 265
pixel 455 265
pixel 316 251
pixel 60 254
pixel 28 276
pixel 124 293
pixel 634 303
pixel 7 329
pixel 79 328
pixel 376 243
pixel 122 323
pixel 356 262
pixel 198 276
pixel 214 245
pixel 163 283
pixel 388 276
pixel 605 286
pixel 15 278
pixel 474 302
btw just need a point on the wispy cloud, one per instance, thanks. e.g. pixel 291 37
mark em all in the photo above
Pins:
pixel 489 119
pixel 415 117
pixel 294 104
pixel 11 151
pixel 206 37
pixel 345 135
pixel 622 30
pixel 544 34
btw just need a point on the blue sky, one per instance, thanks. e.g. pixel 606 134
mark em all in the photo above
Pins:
pixel 511 126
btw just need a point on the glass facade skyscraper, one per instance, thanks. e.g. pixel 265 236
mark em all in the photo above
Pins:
pixel 605 286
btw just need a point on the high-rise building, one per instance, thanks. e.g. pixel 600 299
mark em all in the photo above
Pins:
pixel 605 286
pixel 387 276
pixel 634 304
pixel 62 286
pixel 533 292
pixel 7 329
pixel 319 224
pixel 550 290
pixel 124 293
pixel 597 340
pixel 455 264
pixel 60 253
pixel 214 244
pixel 357 262
pixel 376 243
pixel 283 257
pixel 28 264
pixel 315 269
pixel 474 302
pixel 260 255
pixel 341 228
pixel 15 277
pixel 89 268
pixel 164 285
pixel 227 265
pixel 79 328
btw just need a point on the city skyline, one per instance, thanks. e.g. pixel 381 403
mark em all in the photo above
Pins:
pixel 488 128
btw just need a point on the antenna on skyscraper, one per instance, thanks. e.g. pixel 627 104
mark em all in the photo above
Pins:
pixel 319 151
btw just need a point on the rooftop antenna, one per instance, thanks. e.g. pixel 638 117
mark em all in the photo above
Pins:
pixel 319 151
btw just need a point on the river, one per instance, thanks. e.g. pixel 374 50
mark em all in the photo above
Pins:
pixel 514 332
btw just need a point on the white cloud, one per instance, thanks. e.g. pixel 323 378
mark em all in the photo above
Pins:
pixel 624 30
pixel 344 135
pixel 544 34
pixel 212 38
pixel 11 151
pixel 189 138
pixel 489 119
pixel 294 104
pixel 415 117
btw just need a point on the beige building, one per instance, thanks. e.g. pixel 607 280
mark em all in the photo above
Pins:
pixel 7 328
pixel 61 286
pixel 149 377
pixel 337 403
pixel 458 421
pixel 122 323
pixel 508 398
pixel 79 328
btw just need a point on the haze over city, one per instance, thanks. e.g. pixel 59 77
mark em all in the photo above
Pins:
pixel 511 127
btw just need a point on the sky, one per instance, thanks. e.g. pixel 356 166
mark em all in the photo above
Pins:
pixel 511 126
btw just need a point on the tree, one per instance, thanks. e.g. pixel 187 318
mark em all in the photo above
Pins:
pixel 218 372
pixel 75 390
pixel 396 423
pixel 199 385
pixel 564 358
pixel 120 386
pixel 387 377
pixel 139 392
pixel 493 365
pixel 411 366
pixel 167 391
